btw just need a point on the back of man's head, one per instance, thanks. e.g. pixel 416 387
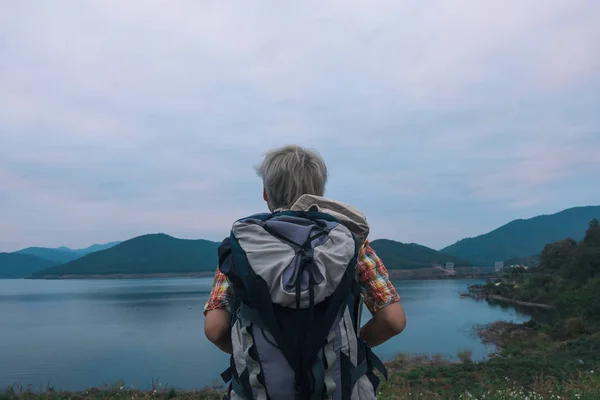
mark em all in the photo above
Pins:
pixel 289 172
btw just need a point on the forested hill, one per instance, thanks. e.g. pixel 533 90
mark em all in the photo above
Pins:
pixel 14 265
pixel 397 255
pixel 148 254
pixel 524 237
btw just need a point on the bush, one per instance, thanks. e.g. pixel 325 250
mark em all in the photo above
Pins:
pixel 466 356
pixel 574 326
pixel 172 393
pixel 583 301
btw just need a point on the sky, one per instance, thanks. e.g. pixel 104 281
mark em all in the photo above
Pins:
pixel 438 119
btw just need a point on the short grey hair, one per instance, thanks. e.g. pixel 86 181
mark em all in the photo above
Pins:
pixel 289 172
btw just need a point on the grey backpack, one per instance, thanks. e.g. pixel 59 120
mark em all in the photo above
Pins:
pixel 296 310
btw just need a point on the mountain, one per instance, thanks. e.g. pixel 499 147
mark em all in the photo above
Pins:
pixel 147 254
pixel 524 237
pixel 14 265
pixel 63 254
pixel 97 247
pixel 58 256
pixel 397 255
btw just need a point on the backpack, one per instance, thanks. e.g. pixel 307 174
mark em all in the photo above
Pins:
pixel 296 310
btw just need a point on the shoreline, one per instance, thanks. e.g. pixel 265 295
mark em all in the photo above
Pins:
pixel 519 302
pixel 479 295
pixel 495 333
pixel 498 332
pixel 393 274
pixel 125 276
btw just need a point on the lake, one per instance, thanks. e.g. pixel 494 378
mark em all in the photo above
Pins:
pixel 77 334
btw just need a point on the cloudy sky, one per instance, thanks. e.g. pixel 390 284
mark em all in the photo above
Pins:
pixel 439 119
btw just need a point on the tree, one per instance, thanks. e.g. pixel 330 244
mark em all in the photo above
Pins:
pixel 558 255
pixel 592 235
pixel 589 250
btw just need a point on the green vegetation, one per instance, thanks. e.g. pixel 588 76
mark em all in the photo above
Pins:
pixel 398 255
pixel 468 380
pixel 531 261
pixel 567 277
pixel 148 254
pixel 14 265
pixel 524 238
pixel 118 393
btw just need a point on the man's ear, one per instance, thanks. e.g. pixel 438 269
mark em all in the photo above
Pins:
pixel 265 197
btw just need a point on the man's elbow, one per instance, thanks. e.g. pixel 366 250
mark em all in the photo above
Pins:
pixel 397 325
pixel 215 334
pixel 394 319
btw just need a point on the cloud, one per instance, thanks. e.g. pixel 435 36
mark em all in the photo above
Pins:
pixel 439 119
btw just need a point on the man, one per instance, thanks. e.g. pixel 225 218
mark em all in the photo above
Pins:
pixel 294 178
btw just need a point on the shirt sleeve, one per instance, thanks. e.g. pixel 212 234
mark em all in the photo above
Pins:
pixel 376 288
pixel 220 294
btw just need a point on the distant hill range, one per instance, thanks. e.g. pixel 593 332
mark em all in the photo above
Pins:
pixel 163 254
pixel 63 255
pixel 147 254
pixel 524 238
pixel 397 255
pixel 13 265
pixel 23 263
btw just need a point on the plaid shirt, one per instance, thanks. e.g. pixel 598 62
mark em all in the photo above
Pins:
pixel 376 288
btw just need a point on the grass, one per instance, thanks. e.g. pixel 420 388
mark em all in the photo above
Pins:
pixel 482 381
pixel 411 377
pixel 106 394
pixel 534 362
pixel 586 387
pixel 432 383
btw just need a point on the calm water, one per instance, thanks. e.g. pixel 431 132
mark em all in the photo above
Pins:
pixel 78 334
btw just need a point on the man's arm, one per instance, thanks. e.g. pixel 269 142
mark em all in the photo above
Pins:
pixel 381 299
pixel 217 329
pixel 385 324
pixel 217 322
